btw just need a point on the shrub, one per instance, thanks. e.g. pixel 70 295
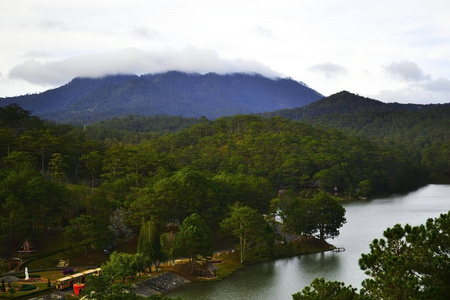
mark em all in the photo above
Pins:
pixel 27 287
pixel 68 271
pixel 22 276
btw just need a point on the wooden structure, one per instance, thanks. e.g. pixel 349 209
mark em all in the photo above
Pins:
pixel 339 249
pixel 207 270
pixel 11 262
pixel 70 280
pixel 26 247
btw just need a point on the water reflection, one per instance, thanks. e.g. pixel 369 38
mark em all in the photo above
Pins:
pixel 366 220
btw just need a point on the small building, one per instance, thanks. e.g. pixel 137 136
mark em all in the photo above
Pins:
pixel 26 247
pixel 207 270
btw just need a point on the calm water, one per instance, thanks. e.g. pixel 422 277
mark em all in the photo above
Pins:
pixel 365 221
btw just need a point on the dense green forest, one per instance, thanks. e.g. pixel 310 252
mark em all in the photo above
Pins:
pixel 420 131
pixel 54 175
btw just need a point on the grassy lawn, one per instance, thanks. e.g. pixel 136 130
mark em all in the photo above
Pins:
pixel 41 286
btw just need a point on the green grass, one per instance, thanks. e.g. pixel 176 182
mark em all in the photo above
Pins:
pixel 41 288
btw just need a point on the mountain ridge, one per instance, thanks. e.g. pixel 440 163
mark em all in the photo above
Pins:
pixel 87 100
pixel 344 102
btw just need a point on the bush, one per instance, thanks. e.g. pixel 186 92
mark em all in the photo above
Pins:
pixel 27 287
pixel 68 271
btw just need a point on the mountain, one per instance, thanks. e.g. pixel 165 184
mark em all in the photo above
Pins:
pixel 362 116
pixel 343 103
pixel 87 100
pixel 419 130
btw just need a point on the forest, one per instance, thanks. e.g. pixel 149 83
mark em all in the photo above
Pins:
pixel 51 175
pixel 419 131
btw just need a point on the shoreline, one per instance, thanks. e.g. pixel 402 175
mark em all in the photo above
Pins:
pixel 299 244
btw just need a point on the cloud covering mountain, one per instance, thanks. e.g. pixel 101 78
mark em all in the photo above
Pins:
pixel 133 61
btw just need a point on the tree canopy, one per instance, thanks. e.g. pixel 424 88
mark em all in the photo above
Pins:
pixel 321 216
pixel 194 239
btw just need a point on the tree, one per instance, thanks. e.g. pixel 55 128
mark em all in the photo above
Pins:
pixel 88 232
pixel 330 290
pixel 94 162
pixel 321 216
pixel 182 194
pixel 56 167
pixel 149 245
pixel 409 262
pixel 103 288
pixel 119 265
pixel 249 190
pixel 193 239
pixel 248 226
pixel 329 216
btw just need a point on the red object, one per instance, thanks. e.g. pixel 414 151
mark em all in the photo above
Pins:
pixel 77 288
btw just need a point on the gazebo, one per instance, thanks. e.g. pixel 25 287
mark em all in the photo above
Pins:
pixel 26 247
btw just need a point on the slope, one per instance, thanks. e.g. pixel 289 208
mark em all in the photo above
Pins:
pixel 87 100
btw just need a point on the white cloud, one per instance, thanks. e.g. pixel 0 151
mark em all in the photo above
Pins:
pixel 264 32
pixel 406 71
pixel 412 94
pixel 440 84
pixel 37 54
pixel 133 61
pixel 329 70
pixel 142 31
pixel 75 38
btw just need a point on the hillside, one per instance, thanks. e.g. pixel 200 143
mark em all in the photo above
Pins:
pixel 343 103
pixel 420 130
pixel 88 100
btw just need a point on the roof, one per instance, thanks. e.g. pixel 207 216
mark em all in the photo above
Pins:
pixel 208 267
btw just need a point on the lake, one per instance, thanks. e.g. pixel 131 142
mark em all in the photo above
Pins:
pixel 366 220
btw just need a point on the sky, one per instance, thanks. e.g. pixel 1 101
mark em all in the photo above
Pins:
pixel 393 51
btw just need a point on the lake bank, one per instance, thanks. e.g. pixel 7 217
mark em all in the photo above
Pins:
pixel 366 220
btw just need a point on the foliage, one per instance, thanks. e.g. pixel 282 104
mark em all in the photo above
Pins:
pixel 51 175
pixel 103 288
pixel 149 245
pixel 120 265
pixel 410 262
pixel 88 232
pixel 194 239
pixel 67 271
pixel 332 290
pixel 27 287
pixel 419 131
pixel 138 123
pixel 250 228
pixel 250 190
pixel 180 195
pixel 321 216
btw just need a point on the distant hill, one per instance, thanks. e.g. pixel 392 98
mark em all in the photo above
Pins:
pixel 422 131
pixel 343 103
pixel 88 100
